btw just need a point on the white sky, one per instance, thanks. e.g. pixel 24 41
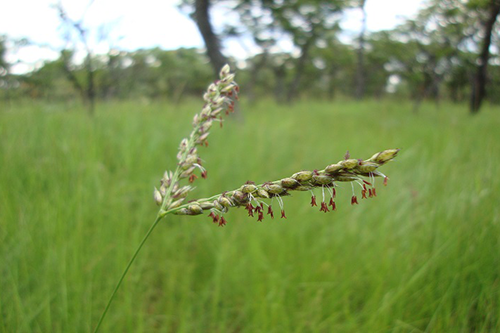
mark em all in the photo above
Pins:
pixel 148 23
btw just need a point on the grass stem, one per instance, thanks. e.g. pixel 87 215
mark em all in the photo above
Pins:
pixel 131 261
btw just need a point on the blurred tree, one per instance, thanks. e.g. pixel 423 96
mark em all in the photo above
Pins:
pixel 360 70
pixel 255 23
pixel 200 13
pixel 305 23
pixel 86 87
pixel 4 65
pixel 434 44
pixel 334 67
pixel 488 11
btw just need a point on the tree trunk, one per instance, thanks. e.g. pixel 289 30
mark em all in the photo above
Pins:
pixel 91 92
pixel 360 71
pixel 479 81
pixel 299 69
pixel 212 43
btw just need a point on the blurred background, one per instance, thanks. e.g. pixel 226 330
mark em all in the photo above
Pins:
pixel 95 97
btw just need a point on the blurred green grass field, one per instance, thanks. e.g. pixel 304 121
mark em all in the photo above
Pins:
pixel 76 199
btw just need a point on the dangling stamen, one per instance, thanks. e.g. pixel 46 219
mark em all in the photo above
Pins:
pixel 250 209
pixel 354 199
pixel 280 202
pixel 261 216
pixel 222 221
pixel 270 211
pixel 332 203
pixel 192 178
pixel 313 201
pixel 215 218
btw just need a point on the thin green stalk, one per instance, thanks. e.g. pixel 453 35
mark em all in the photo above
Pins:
pixel 217 99
pixel 155 223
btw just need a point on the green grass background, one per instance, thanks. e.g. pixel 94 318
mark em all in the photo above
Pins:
pixel 76 199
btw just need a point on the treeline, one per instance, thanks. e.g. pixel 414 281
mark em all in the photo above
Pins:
pixel 149 74
pixel 450 50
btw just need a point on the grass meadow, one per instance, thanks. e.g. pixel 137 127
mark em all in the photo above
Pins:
pixel 76 199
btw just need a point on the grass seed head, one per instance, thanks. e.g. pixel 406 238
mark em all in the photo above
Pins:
pixel 219 101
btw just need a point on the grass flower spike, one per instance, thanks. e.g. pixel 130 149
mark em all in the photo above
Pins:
pixel 253 197
pixel 219 101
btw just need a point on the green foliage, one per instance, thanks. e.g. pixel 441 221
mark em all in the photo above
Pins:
pixel 75 200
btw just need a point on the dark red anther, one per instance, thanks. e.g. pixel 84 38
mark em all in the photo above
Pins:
pixel 332 203
pixel 222 221
pixel 249 208
pixel 367 183
pixel 370 193
pixel 324 207
pixel 270 211
pixel 215 218
pixel 363 194
pixel 313 201
pixel 204 174
pixel 283 214
pixel 354 200
pixel 334 193
pixel 374 193
pixel 385 181
pixel 261 216
pixel 192 178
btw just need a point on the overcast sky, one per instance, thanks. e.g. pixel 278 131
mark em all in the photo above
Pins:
pixel 147 23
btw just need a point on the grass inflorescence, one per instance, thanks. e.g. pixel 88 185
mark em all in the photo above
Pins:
pixel 218 101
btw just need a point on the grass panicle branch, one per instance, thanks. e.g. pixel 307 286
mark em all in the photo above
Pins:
pixel 171 195
pixel 219 101
pixel 250 195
